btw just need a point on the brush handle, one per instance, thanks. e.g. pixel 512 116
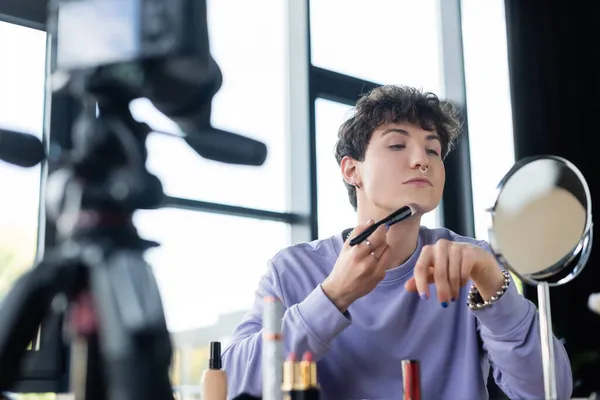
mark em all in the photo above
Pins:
pixel 393 218
pixel 365 234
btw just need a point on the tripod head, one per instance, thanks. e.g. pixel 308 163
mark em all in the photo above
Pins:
pixel 156 49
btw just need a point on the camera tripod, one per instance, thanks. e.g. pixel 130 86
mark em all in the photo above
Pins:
pixel 120 345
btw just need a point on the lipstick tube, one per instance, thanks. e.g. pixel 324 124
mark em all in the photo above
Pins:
pixel 290 378
pixel 308 387
pixel 411 379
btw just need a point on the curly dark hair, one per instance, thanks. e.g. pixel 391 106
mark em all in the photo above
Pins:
pixel 393 103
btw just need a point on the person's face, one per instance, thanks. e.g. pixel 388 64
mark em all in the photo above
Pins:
pixel 389 176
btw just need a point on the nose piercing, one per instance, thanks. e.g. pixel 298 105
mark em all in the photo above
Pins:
pixel 423 169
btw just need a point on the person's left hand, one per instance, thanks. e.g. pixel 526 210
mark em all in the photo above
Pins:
pixel 450 265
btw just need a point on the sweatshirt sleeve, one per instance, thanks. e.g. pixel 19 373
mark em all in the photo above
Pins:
pixel 310 325
pixel 510 331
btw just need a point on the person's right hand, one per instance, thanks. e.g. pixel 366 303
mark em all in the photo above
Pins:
pixel 359 268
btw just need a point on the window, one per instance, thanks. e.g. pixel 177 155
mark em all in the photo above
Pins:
pixel 335 211
pixel 248 45
pixel 488 98
pixel 208 265
pixel 389 42
pixel 22 78
pixel 208 268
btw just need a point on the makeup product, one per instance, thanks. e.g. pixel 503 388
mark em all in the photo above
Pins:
pixel 214 379
pixel 290 378
pixel 272 349
pixel 411 379
pixel 397 216
pixel 307 387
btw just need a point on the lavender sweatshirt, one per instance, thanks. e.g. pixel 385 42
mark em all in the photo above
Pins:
pixel 359 354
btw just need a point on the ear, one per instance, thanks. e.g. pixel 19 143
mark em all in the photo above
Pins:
pixel 350 171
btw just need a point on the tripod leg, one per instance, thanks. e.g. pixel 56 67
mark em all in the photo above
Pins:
pixel 134 341
pixel 21 313
pixel 95 388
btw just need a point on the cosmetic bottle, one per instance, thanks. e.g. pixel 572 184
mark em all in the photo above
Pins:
pixel 214 379
pixel 272 349
pixel 411 379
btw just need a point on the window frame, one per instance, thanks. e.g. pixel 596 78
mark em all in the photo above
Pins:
pixel 29 13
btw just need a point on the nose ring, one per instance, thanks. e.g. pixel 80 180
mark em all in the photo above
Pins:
pixel 423 169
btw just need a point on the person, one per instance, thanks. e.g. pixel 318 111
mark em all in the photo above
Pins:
pixel 407 292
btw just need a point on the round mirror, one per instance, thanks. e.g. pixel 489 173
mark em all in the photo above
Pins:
pixel 542 220
pixel 542 231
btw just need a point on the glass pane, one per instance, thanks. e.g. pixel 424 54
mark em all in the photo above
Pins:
pixel 208 265
pixel 22 77
pixel 386 41
pixel 250 102
pixel 486 71
pixel 335 211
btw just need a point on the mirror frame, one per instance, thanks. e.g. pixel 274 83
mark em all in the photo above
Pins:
pixel 583 247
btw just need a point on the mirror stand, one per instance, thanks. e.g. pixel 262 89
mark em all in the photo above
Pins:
pixel 543 291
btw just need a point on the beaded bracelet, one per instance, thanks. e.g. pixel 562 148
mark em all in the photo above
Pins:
pixel 474 300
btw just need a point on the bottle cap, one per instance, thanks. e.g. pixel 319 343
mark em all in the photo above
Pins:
pixel 215 356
